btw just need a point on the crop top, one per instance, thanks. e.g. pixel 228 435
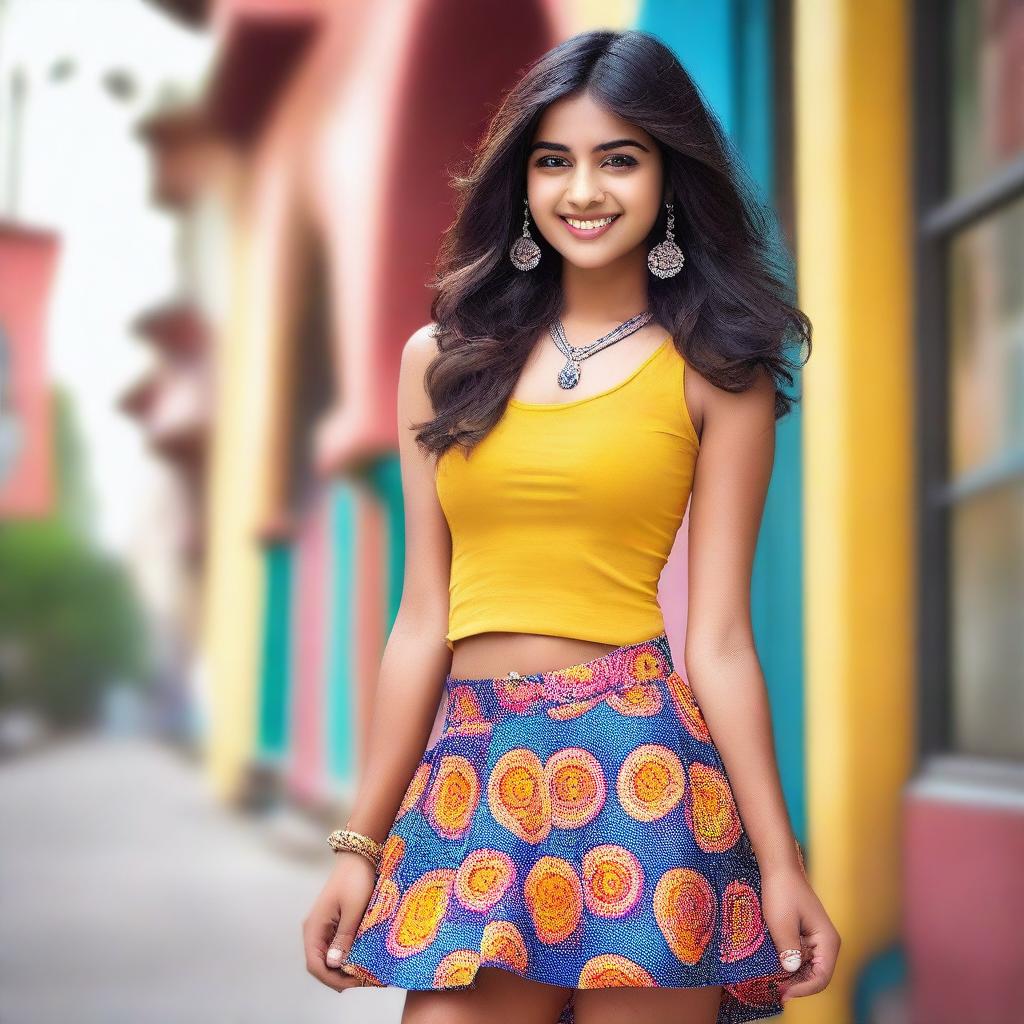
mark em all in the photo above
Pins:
pixel 563 516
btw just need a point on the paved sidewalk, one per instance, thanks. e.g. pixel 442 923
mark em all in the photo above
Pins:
pixel 129 894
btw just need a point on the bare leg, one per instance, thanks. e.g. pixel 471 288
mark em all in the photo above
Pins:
pixel 500 997
pixel 648 1005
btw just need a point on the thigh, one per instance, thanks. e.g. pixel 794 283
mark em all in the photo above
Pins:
pixel 648 1005
pixel 500 997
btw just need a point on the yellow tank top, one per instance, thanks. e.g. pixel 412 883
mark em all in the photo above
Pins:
pixel 563 516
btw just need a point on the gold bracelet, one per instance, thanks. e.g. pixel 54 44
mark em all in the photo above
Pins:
pixel 347 839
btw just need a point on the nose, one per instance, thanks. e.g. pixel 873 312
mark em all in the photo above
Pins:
pixel 583 188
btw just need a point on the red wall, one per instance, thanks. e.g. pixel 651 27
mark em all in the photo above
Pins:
pixel 964 885
pixel 27 263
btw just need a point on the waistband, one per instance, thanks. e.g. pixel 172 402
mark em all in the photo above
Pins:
pixel 620 669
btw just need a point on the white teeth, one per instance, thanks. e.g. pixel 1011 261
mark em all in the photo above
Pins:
pixel 583 225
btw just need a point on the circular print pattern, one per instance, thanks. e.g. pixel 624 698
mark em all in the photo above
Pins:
pixel 710 809
pixel 391 854
pixel 420 912
pixel 578 683
pixel 685 907
pixel 610 970
pixel 647 664
pixel 651 782
pixel 382 906
pixel 483 878
pixel 457 969
pixel 415 789
pixel 464 715
pixel 687 708
pixel 464 705
pixel 612 880
pixel 518 695
pixel 364 976
pixel 639 700
pixel 453 797
pixel 576 783
pixel 518 795
pixel 554 897
pixel 503 943
pixel 742 921
pixel 572 709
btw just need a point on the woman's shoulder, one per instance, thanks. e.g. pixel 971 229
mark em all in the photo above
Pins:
pixel 422 343
pixel 751 408
pixel 418 352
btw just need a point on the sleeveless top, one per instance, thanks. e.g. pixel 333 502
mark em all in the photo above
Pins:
pixel 563 517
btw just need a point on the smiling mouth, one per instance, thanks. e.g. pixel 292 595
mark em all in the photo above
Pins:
pixel 590 227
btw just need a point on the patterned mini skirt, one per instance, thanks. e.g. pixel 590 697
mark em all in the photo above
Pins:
pixel 576 827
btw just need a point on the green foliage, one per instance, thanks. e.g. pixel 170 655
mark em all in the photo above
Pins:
pixel 69 623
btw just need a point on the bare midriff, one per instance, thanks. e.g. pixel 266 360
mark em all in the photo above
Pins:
pixel 492 654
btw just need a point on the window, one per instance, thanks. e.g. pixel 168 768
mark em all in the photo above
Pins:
pixel 969 178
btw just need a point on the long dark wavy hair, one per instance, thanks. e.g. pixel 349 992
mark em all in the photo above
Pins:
pixel 729 311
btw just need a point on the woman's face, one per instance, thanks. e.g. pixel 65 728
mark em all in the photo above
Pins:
pixel 587 164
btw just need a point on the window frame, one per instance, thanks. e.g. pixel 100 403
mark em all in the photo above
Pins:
pixel 938 221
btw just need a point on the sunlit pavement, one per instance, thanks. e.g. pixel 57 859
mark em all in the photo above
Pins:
pixel 128 893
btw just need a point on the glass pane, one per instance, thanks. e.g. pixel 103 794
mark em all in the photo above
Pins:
pixel 987 615
pixel 986 359
pixel 987 89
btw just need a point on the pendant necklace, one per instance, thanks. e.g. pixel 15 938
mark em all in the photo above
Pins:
pixel 569 375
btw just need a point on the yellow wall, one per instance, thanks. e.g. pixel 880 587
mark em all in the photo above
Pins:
pixel 232 601
pixel 590 14
pixel 853 217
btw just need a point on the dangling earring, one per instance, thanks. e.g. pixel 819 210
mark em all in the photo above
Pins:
pixel 666 259
pixel 525 252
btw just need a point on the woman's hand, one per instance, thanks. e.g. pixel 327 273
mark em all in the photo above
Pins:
pixel 795 919
pixel 329 929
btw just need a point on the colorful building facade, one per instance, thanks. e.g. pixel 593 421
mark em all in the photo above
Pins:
pixel 888 586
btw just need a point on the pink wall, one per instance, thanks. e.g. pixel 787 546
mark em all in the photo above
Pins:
pixel 963 879
pixel 27 263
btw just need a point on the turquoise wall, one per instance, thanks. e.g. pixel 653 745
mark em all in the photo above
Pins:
pixel 275 658
pixel 728 47
pixel 340 691
pixel 385 479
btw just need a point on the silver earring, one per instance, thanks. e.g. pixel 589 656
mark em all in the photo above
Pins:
pixel 666 259
pixel 525 252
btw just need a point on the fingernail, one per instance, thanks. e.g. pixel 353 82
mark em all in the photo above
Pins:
pixel 335 956
pixel 791 963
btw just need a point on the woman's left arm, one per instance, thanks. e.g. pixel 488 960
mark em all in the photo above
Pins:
pixel 734 466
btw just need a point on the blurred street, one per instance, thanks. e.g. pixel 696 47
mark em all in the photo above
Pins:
pixel 130 894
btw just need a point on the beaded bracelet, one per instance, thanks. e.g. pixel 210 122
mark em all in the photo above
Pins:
pixel 347 839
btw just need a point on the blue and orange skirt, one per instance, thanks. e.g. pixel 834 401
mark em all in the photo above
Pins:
pixel 576 827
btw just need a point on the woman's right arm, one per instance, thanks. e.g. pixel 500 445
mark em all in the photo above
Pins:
pixel 412 671
pixel 416 657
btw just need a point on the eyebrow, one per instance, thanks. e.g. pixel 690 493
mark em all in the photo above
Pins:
pixel 599 148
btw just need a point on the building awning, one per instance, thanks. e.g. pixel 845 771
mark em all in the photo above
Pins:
pixel 176 327
pixel 191 12
pixel 258 59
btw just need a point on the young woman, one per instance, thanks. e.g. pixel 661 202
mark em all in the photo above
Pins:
pixel 593 834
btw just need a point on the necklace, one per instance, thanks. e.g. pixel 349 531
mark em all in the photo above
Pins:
pixel 569 375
